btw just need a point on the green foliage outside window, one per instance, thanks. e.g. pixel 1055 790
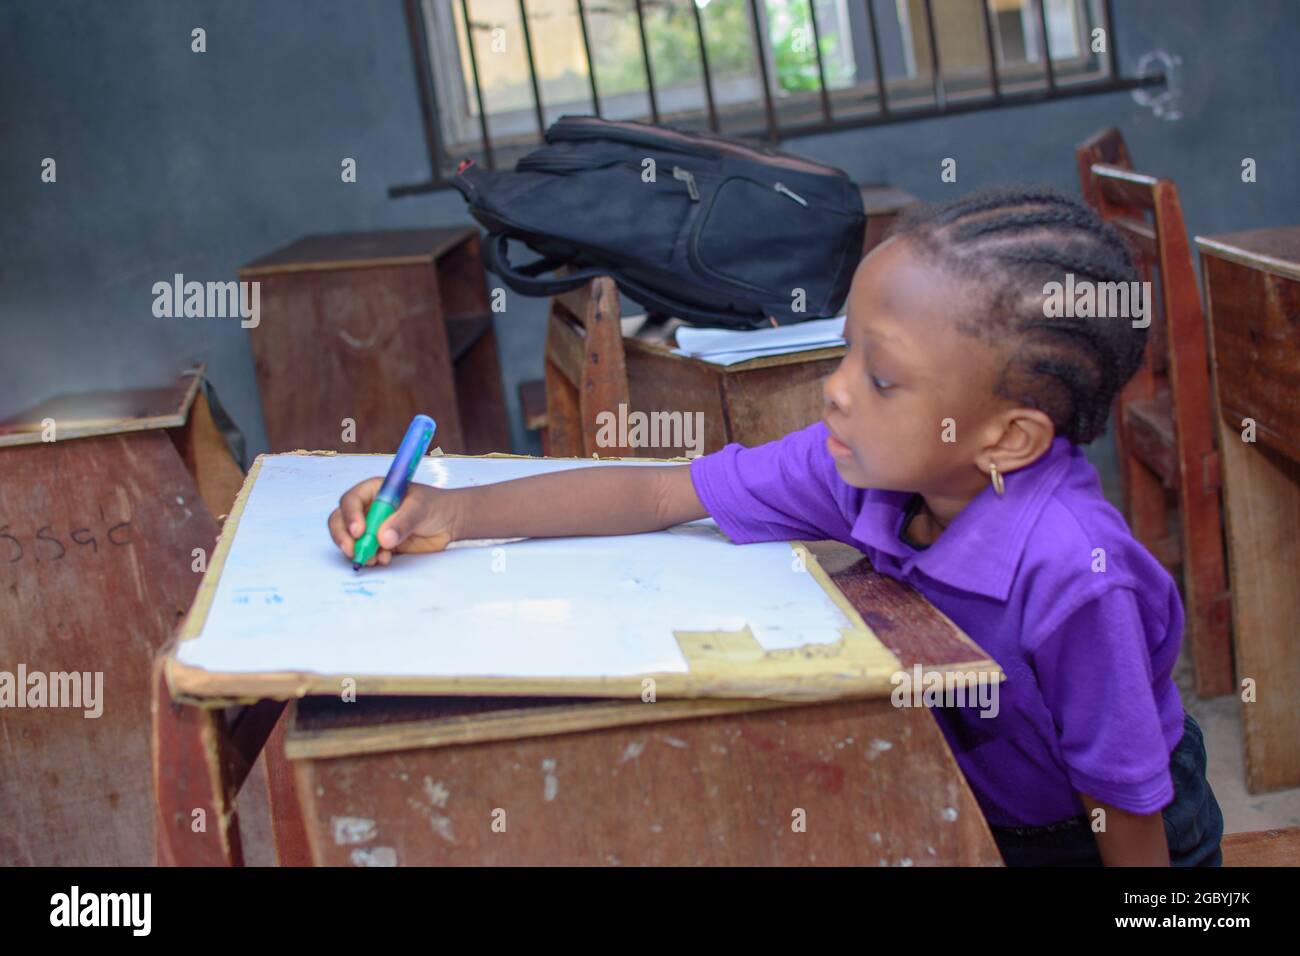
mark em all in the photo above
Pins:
pixel 674 45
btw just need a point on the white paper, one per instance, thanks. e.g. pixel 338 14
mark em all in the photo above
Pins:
pixel 288 599
pixel 729 346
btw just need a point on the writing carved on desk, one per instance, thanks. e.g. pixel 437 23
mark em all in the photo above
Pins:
pixel 12 550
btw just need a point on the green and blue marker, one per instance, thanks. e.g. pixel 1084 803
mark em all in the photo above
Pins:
pixel 393 490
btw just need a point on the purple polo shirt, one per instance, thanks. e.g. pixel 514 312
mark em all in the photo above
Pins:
pixel 1088 704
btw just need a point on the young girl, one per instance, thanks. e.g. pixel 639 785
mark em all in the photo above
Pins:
pixel 949 454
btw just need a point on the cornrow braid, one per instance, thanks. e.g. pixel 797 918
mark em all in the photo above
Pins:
pixel 1009 243
pixel 985 199
pixel 1091 262
pixel 1017 220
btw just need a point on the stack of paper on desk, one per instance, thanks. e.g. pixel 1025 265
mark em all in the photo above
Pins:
pixel 727 346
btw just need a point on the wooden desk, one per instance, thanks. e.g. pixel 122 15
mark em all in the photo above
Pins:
pixel 180 409
pixel 368 326
pixel 751 402
pixel 834 759
pixel 1252 291
pixel 98 534
pixel 419 781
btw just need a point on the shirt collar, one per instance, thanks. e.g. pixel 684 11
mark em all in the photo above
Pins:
pixel 981 548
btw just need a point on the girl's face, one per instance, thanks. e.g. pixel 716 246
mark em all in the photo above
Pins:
pixel 911 403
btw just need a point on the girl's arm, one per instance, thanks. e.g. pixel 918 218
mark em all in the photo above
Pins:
pixel 1129 839
pixel 599 500
pixel 607 499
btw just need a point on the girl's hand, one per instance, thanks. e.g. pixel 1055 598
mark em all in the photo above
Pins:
pixel 424 522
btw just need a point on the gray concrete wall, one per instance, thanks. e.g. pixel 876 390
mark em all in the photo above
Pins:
pixel 171 161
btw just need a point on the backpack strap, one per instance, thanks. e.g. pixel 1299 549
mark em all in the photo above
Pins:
pixel 523 279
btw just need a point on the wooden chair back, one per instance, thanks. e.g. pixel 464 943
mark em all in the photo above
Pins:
pixel 585 369
pixel 1163 419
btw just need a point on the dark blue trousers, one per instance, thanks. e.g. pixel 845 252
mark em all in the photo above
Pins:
pixel 1193 821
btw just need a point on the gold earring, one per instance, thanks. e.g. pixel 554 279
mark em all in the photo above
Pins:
pixel 998 486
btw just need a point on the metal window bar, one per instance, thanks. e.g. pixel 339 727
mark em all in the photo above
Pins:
pixel 419 59
pixel 704 66
pixel 591 63
pixel 773 135
pixel 821 69
pixel 1111 63
pixel 645 57
pixel 1047 46
pixel 995 82
pixel 936 67
pixel 532 70
pixel 418 29
pixel 881 95
pixel 478 86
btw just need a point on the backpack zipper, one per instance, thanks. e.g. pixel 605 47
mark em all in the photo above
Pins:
pixel 685 174
pixel 782 188
pixel 701 220
pixel 561 164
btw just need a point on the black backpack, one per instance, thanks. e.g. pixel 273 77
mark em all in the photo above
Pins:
pixel 724 235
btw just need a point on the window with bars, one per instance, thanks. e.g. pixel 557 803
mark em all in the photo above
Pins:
pixel 493 74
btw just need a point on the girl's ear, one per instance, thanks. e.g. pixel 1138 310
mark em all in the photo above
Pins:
pixel 1025 436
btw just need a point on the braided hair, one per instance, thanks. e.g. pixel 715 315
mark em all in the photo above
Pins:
pixel 1008 243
